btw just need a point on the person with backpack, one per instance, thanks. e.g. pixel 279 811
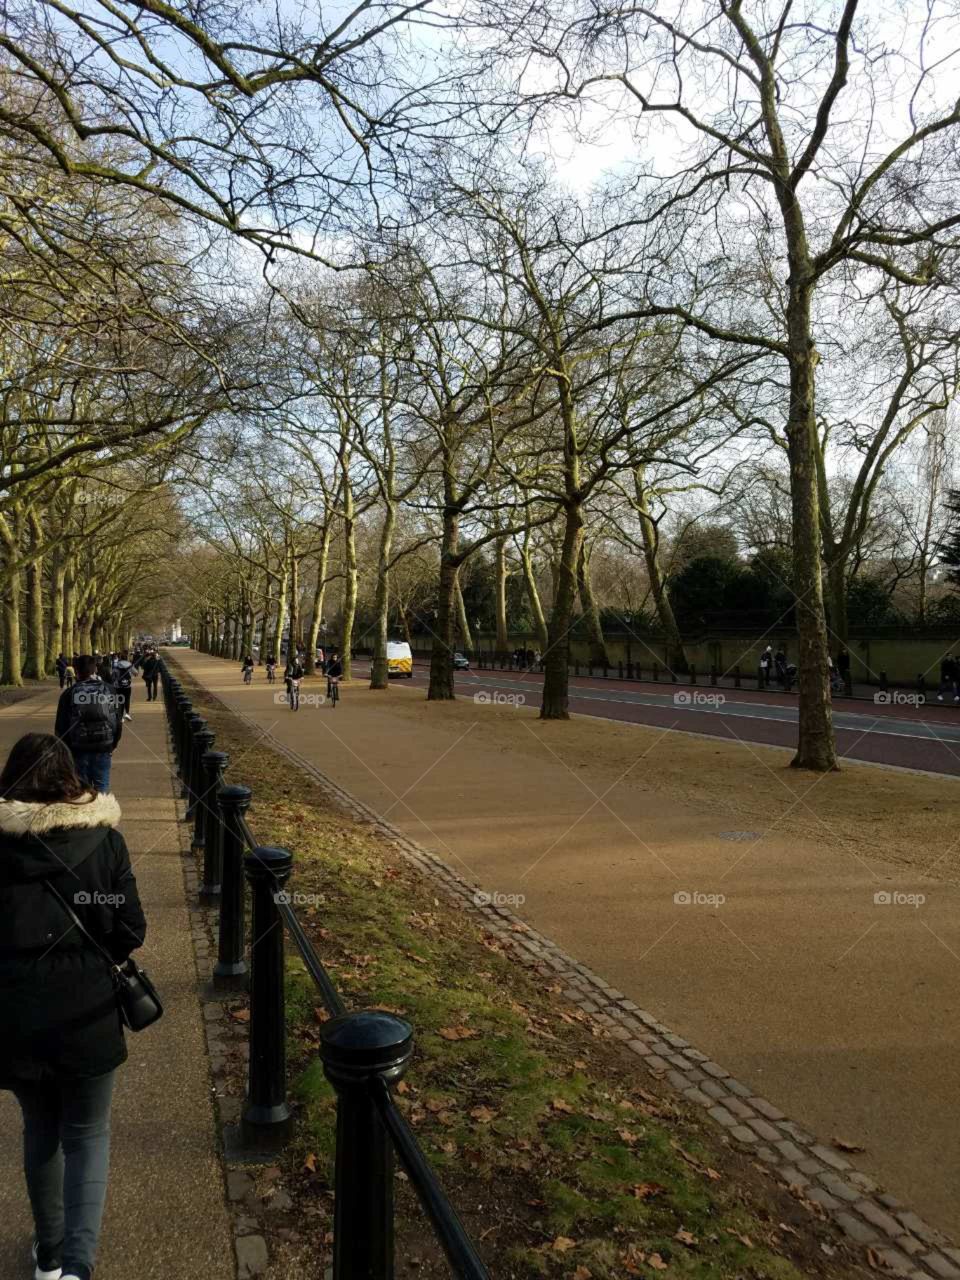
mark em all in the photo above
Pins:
pixel 90 723
pixel 150 670
pixel 62 860
pixel 61 667
pixel 123 681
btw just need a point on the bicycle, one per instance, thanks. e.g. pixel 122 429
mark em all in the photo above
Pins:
pixel 247 675
pixel 333 691
pixel 271 673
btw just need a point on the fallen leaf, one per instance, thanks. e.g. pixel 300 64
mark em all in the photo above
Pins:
pixel 311 1163
pixel 843 1145
pixel 458 1033
pixel 402 1087
pixel 685 1237
pixel 656 1262
pixel 240 1015
pixel 582 1273
pixel 558 1104
pixel 483 1114
pixel 873 1259
pixel 562 1244
pixel 626 1136
pixel 647 1190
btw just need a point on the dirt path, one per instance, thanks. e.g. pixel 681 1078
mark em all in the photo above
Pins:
pixel 842 1010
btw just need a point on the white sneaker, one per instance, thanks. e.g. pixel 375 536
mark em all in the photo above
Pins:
pixel 40 1274
pixel 127 716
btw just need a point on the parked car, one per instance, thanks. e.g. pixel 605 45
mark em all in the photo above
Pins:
pixel 460 663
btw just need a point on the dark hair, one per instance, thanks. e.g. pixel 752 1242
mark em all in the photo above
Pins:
pixel 40 768
pixel 85 666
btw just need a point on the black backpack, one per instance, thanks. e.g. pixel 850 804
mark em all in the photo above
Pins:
pixel 93 716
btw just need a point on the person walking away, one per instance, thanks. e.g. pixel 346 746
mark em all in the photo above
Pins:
pixel 90 724
pixel 69 676
pixel 780 664
pixel 123 681
pixel 321 660
pixel 150 671
pixel 843 665
pixel 61 1039
pixel 106 666
pixel 61 668
pixel 247 669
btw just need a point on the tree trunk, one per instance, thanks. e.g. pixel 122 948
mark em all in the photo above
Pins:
pixel 36 664
pixel 68 634
pixel 12 671
pixel 555 705
pixel 350 582
pixel 58 571
pixel 466 638
pixel 281 606
pixel 816 748
pixel 837 584
pixel 661 598
pixel 502 642
pixel 441 655
pixel 533 597
pixel 295 636
pixel 379 677
pixel 591 614
pixel 319 590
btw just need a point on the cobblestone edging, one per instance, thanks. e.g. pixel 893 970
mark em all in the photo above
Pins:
pixel 898 1239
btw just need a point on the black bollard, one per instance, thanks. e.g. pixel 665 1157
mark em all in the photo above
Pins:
pixel 230 970
pixel 214 763
pixel 576 666
pixel 361 1053
pixel 883 682
pixel 182 709
pixel 693 674
pixel 713 675
pixel 656 672
pixel 620 670
pixel 195 722
pixel 736 677
pixel 630 670
pixel 203 742
pixel 921 685
pixel 265 1122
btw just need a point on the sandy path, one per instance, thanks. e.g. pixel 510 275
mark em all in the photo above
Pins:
pixel 844 1012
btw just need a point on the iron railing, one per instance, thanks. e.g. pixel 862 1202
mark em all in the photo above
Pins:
pixel 363 1052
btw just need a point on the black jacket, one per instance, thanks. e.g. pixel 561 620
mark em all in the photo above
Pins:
pixel 151 667
pixel 68 711
pixel 58 1011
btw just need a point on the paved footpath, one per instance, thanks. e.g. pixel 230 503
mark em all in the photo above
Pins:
pixel 844 1015
pixel 166 1213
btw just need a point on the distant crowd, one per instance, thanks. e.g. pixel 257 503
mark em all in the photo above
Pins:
pixel 96 700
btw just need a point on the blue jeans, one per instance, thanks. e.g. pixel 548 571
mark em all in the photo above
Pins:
pixel 66 1158
pixel 93 768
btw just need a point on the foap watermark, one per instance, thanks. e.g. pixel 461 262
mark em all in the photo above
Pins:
pixel 698 698
pixel 98 899
pixel 306 699
pixel 100 498
pixel 694 898
pixel 498 698
pixel 91 696
pixel 894 898
pixel 898 698
pixel 294 898
pixel 483 899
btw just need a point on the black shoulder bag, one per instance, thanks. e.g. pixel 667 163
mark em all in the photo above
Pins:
pixel 137 997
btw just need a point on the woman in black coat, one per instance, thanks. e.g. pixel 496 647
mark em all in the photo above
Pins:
pixel 61 1038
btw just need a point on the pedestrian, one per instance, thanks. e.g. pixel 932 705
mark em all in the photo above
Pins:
pixel 321 660
pixel 949 678
pixel 106 665
pixel 528 656
pixel 766 659
pixel 780 665
pixel 151 674
pixel 69 676
pixel 123 681
pixel 61 667
pixel 538 660
pixel 61 1038
pixel 90 723
pixel 843 664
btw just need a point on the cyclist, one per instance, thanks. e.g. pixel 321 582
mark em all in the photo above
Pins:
pixel 334 672
pixel 271 668
pixel 292 675
pixel 247 669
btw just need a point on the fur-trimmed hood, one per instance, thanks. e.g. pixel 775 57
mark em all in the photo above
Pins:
pixel 29 818
pixel 38 841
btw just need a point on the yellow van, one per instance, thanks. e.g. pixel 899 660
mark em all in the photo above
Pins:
pixel 399 659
